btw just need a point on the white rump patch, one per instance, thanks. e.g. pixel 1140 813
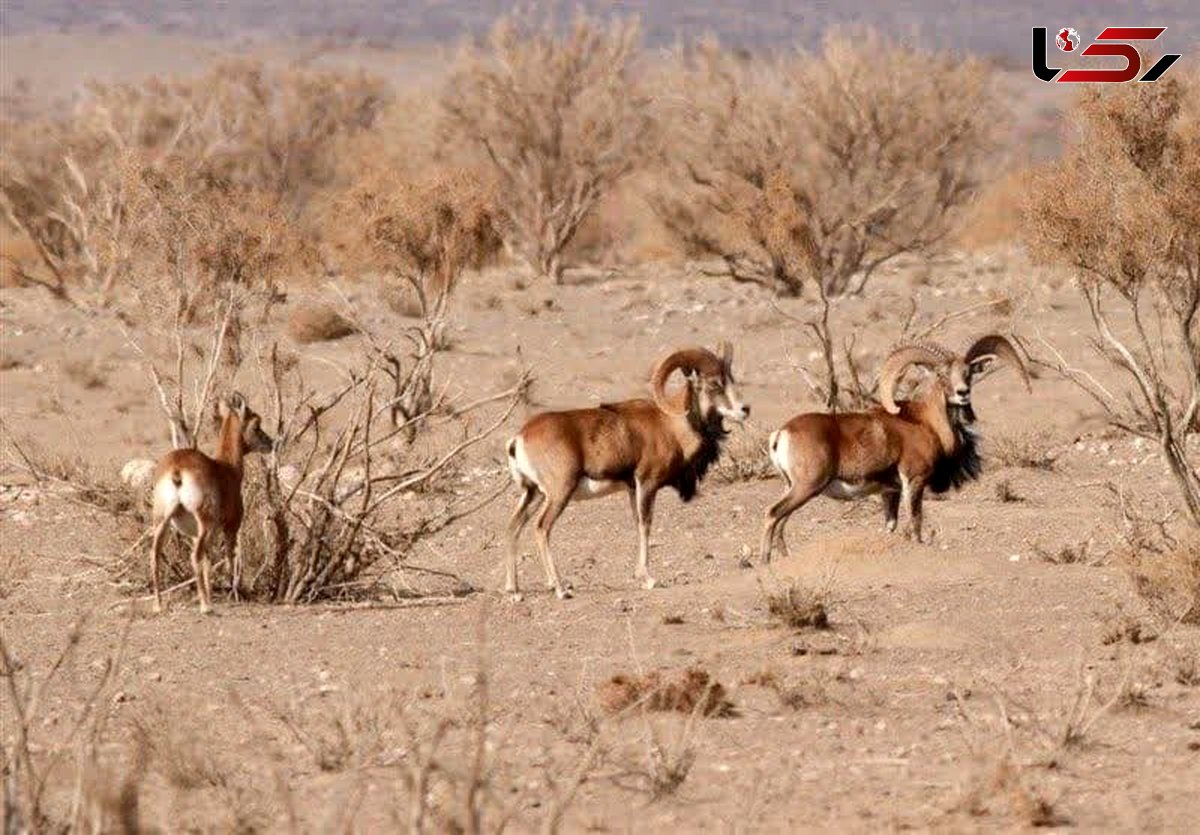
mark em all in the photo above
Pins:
pixel 778 446
pixel 519 465
pixel 180 503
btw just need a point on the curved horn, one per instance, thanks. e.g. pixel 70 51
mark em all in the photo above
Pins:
pixel 898 362
pixel 699 360
pixel 725 348
pixel 237 404
pixel 995 345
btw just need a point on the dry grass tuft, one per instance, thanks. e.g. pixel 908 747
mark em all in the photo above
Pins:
pixel 1124 627
pixel 1006 494
pixel 87 373
pixel 1167 576
pixel 178 756
pixel 744 458
pixel 1186 668
pixel 1033 450
pixel 1005 787
pixel 318 323
pixel 1066 554
pixel 686 691
pixel 798 607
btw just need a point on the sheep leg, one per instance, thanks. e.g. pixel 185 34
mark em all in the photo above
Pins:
pixel 644 507
pixel 776 514
pixel 155 552
pixel 526 504
pixel 891 508
pixel 545 522
pixel 199 567
pixel 912 492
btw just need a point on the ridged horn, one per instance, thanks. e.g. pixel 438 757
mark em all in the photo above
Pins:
pixel 995 345
pixel 700 360
pixel 725 348
pixel 930 355
pixel 233 403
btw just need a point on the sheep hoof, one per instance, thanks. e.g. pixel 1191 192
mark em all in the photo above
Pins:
pixel 565 592
pixel 649 583
pixel 514 596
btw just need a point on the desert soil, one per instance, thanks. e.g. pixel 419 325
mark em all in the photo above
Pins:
pixel 937 699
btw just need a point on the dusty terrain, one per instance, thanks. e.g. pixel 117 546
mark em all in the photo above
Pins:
pixel 939 698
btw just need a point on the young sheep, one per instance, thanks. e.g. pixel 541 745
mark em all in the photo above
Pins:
pixel 196 493
pixel 897 450
pixel 639 446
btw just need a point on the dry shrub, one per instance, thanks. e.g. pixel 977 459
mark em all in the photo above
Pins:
pixel 242 140
pixel 798 607
pixel 1031 450
pixel 1005 787
pixel 1125 628
pixel 1186 668
pixel 1167 575
pixel 1121 210
pixel 745 459
pixel 258 126
pixel 340 733
pixel 318 323
pixel 70 474
pixel 426 233
pixel 821 166
pixel 689 691
pixel 558 121
pixel 1077 553
pixel 809 692
pixel 222 246
pixel 56 726
pixel 177 755
pixel 1006 494
pixel 993 218
pixel 87 373
pixel 87 228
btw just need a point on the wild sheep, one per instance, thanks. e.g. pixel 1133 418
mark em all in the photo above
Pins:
pixel 640 446
pixel 897 450
pixel 196 493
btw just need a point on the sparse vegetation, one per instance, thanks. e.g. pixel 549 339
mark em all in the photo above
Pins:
pixel 688 691
pixel 1132 240
pixel 797 606
pixel 318 323
pixel 1069 553
pixel 1006 494
pixel 1167 575
pixel 557 119
pixel 182 225
pixel 1031 450
pixel 822 167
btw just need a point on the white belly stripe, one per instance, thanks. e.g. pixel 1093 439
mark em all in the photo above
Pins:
pixel 592 488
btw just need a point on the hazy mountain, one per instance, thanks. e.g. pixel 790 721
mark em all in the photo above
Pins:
pixel 992 28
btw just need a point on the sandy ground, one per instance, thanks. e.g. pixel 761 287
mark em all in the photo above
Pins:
pixel 937 699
